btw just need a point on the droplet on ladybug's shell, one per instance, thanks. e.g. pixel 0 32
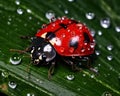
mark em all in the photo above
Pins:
pixel 79 26
pixel 83 50
pixel 71 49
pixel 62 49
pixel 92 45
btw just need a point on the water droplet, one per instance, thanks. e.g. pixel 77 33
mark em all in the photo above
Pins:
pixel 117 28
pixel 106 94
pixel 92 31
pixel 70 77
pixel 5 74
pixel 28 11
pixel 17 2
pixel 15 59
pixel 12 84
pixel 8 23
pixel 90 15
pixel 99 64
pixel 66 11
pixel 30 94
pixel 92 76
pixel 50 14
pixel 109 57
pixel 109 47
pixel 20 11
pixel 105 22
pixel 97 52
pixel 30 18
pixel 99 33
pixel 78 89
pixel 71 0
pixel 84 75
pixel 92 45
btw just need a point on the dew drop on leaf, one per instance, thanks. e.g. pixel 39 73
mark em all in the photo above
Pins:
pixel 12 84
pixel 117 28
pixel 97 52
pixel 109 57
pixel 99 33
pixel 30 94
pixel 29 11
pixel 17 2
pixel 105 22
pixel 20 11
pixel 110 47
pixel 5 74
pixel 50 14
pixel 70 77
pixel 90 15
pixel 15 59
pixel 71 0
pixel 66 11
pixel 106 94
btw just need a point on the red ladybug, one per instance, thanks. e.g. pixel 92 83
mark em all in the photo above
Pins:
pixel 65 38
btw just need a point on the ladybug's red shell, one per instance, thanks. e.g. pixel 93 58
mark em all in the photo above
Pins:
pixel 71 38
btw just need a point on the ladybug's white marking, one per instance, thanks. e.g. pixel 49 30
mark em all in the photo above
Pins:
pixel 40 57
pixel 47 48
pixel 56 41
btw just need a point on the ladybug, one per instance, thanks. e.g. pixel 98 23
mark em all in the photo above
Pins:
pixel 62 39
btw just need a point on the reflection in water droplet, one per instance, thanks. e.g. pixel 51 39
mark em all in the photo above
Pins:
pixel 117 28
pixel 109 47
pixel 99 33
pixel 71 0
pixel 12 84
pixel 15 59
pixel 105 22
pixel 30 94
pixel 109 57
pixel 90 15
pixel 97 52
pixel 50 14
pixel 20 11
pixel 70 77
pixel 29 11
pixel 106 94
pixel 92 31
pixel 5 74
pixel 17 2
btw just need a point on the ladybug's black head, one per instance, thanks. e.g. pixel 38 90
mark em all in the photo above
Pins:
pixel 42 51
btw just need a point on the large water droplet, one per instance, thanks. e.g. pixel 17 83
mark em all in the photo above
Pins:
pixel 15 59
pixel 12 84
pixel 17 2
pixel 20 11
pixel 71 0
pixel 109 57
pixel 109 47
pixel 50 14
pixel 90 15
pixel 5 74
pixel 99 33
pixel 117 28
pixel 30 94
pixel 106 94
pixel 70 77
pixel 105 22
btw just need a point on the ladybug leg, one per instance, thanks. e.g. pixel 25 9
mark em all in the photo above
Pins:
pixel 51 69
pixel 90 67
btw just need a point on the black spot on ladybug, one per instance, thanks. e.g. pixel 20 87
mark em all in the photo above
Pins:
pixel 86 37
pixel 50 35
pixel 63 25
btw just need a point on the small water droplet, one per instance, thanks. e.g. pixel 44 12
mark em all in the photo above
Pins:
pixel 109 57
pixel 20 11
pixel 30 18
pixel 99 33
pixel 92 76
pixel 66 11
pixel 70 77
pixel 8 23
pixel 99 64
pixel 71 0
pixel 117 28
pixel 12 84
pixel 106 94
pixel 15 59
pixel 92 45
pixel 97 52
pixel 78 89
pixel 90 15
pixel 105 22
pixel 5 74
pixel 28 11
pixel 92 31
pixel 50 14
pixel 17 2
pixel 30 94
pixel 110 47
pixel 84 75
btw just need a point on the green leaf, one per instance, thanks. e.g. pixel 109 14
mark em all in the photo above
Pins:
pixel 25 17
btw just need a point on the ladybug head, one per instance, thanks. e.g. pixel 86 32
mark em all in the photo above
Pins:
pixel 42 51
